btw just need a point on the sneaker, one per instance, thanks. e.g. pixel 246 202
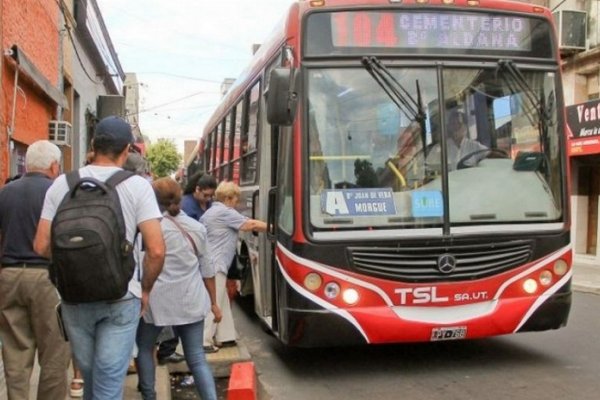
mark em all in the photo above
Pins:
pixel 188 380
pixel 228 343
pixel 172 359
pixel 210 349
pixel 76 389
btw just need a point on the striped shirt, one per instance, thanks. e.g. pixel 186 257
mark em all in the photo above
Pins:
pixel 222 224
pixel 179 296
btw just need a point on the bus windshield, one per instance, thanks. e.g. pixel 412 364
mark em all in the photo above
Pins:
pixel 375 161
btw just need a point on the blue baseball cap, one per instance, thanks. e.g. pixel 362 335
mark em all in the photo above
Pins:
pixel 115 130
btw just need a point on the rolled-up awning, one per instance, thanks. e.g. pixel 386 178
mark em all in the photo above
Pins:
pixel 29 69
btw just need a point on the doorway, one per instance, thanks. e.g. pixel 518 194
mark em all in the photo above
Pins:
pixel 589 186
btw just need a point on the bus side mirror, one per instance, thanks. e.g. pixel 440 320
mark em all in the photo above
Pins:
pixel 282 97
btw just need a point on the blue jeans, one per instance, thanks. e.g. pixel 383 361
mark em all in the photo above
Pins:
pixel 191 339
pixel 102 336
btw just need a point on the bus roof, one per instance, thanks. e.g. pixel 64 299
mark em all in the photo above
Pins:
pixel 273 43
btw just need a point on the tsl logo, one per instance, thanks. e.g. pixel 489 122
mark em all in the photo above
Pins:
pixel 421 295
pixel 428 294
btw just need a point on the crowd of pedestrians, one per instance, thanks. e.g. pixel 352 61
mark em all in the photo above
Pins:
pixel 183 243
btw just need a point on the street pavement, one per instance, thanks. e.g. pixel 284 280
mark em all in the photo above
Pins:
pixel 586 278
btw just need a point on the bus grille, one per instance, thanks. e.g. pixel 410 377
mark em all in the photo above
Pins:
pixel 420 264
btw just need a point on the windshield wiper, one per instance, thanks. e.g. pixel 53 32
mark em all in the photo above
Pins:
pixel 394 89
pixel 405 102
pixel 515 77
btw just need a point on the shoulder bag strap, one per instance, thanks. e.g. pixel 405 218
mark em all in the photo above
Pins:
pixel 187 235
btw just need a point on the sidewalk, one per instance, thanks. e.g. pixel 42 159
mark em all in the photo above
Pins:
pixel 220 363
pixel 586 277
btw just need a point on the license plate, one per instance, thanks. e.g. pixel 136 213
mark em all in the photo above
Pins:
pixel 449 333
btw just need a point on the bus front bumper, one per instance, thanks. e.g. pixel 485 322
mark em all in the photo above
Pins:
pixel 317 327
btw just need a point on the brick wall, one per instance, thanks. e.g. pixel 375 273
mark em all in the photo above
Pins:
pixel 33 26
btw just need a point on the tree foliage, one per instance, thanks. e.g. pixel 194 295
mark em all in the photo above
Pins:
pixel 163 157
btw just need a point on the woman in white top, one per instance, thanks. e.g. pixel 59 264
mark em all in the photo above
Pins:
pixel 223 222
pixel 182 297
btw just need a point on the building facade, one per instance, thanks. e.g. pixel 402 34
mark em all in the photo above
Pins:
pixel 31 93
pixel 578 32
pixel 59 74
pixel 132 108
pixel 92 75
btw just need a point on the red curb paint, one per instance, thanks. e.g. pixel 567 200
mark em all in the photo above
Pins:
pixel 242 382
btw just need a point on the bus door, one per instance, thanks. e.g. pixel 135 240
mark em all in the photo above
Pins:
pixel 263 275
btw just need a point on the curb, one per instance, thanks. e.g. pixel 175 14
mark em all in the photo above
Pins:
pixel 585 288
pixel 220 362
pixel 242 382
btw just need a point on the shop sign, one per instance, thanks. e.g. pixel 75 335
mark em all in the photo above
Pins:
pixel 584 123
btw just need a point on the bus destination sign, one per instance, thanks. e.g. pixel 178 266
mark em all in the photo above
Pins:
pixel 431 30
pixel 358 202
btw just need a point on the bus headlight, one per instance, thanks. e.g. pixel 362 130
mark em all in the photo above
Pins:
pixel 545 278
pixel 332 290
pixel 313 281
pixel 530 286
pixel 560 267
pixel 350 296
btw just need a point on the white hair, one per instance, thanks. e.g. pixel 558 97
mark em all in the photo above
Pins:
pixel 41 154
pixel 136 164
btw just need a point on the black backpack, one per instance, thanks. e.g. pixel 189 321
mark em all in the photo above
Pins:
pixel 91 257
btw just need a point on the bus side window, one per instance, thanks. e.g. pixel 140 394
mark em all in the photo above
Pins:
pixel 249 140
pixel 236 140
pixel 213 149
pixel 222 150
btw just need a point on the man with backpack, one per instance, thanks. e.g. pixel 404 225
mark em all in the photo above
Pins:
pixel 88 225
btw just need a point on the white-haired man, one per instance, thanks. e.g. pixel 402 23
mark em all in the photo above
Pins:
pixel 27 297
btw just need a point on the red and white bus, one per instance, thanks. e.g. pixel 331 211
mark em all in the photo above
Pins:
pixel 410 159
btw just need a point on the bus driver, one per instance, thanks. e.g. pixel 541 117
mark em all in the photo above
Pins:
pixel 459 144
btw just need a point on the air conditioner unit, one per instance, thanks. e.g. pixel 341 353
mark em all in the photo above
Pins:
pixel 59 132
pixel 571 28
pixel 111 105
